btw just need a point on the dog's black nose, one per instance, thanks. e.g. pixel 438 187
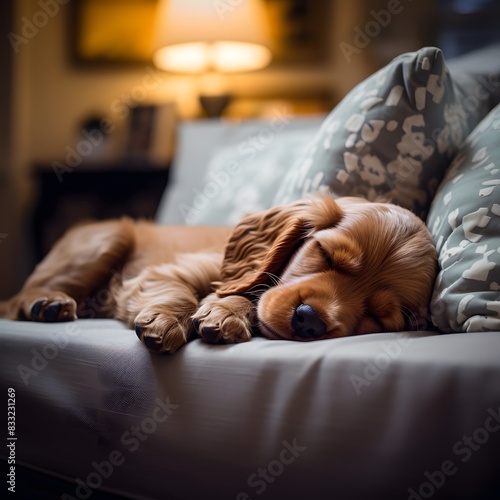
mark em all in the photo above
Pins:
pixel 306 323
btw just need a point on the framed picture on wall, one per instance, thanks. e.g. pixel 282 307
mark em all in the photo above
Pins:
pixel 107 32
pixel 119 32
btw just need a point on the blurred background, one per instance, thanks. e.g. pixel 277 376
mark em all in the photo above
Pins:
pixel 90 100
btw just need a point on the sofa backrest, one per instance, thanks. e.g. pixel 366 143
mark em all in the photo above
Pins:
pixel 216 158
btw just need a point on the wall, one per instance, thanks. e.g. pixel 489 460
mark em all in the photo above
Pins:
pixel 9 209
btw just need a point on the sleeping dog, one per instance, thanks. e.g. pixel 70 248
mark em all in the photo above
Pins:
pixel 313 269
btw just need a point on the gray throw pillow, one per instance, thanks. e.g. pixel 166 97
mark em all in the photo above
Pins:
pixel 391 138
pixel 464 221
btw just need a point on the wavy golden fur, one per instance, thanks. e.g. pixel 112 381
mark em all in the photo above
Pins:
pixel 312 269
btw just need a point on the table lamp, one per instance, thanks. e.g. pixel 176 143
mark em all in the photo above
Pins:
pixel 207 37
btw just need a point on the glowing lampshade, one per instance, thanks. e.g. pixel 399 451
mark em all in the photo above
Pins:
pixel 196 36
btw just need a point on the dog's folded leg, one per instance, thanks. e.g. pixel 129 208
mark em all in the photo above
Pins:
pixel 83 259
pixel 225 319
pixel 160 301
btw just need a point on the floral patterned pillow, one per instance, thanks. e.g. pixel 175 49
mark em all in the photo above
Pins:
pixel 390 138
pixel 464 221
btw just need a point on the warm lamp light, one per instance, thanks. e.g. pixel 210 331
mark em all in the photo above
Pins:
pixel 195 36
pixel 225 57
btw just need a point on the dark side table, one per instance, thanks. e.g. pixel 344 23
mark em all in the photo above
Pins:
pixel 92 193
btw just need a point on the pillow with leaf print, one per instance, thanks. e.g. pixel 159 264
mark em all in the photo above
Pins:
pixel 390 138
pixel 464 221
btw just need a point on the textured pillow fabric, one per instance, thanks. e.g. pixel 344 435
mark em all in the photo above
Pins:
pixel 464 221
pixel 243 178
pixel 391 137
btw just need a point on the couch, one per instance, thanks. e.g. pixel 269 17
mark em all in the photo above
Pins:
pixel 409 415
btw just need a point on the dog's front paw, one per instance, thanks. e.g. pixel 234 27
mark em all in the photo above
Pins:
pixel 225 320
pixel 162 333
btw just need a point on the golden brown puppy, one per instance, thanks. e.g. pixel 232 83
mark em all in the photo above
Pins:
pixel 312 269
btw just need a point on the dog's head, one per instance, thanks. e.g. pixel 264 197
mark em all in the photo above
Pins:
pixel 325 268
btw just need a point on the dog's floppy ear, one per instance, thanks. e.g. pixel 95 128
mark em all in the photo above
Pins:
pixel 261 244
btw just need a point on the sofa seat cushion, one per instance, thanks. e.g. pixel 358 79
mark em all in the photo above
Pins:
pixel 315 417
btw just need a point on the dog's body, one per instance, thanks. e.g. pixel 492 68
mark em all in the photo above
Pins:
pixel 319 268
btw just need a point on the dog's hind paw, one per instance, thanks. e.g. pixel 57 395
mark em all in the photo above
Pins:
pixel 226 320
pixel 57 307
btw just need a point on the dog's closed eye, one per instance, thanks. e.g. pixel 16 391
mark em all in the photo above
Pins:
pixel 324 253
pixel 327 258
pixel 339 252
